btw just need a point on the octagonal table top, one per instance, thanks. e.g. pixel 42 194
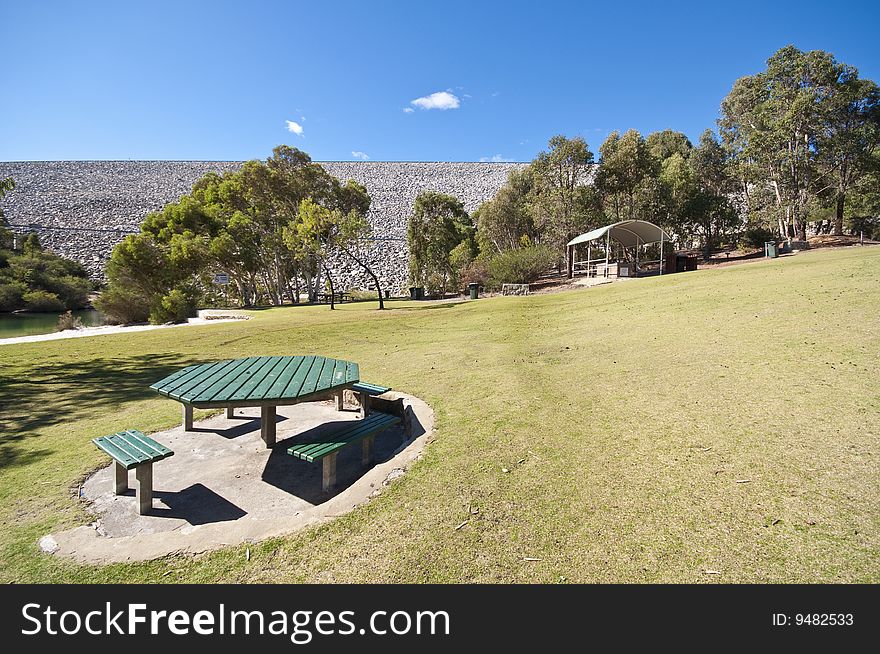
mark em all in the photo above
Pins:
pixel 258 381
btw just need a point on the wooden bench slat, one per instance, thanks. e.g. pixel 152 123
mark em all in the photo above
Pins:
pixel 295 381
pixel 230 375
pixel 170 379
pixel 311 380
pixel 325 379
pixel 197 373
pixel 352 372
pixel 265 377
pixel 328 447
pixel 108 447
pixel 131 448
pixel 315 450
pixel 132 451
pixel 253 373
pixel 339 372
pixel 370 389
pixel 204 376
pixel 377 420
pixel 154 448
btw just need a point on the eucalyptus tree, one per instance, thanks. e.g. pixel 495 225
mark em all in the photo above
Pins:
pixel 505 222
pixel 848 136
pixel 626 164
pixel 562 202
pixel 805 127
pixel 436 226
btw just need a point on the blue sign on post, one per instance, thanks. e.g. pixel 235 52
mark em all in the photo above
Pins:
pixel 221 278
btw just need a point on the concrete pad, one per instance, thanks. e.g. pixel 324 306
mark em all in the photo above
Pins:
pixel 224 487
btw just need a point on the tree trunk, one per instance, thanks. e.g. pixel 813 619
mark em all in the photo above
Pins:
pixel 370 273
pixel 330 281
pixel 838 214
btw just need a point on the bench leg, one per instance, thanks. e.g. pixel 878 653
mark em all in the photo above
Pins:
pixel 339 403
pixel 187 417
pixel 368 450
pixel 364 399
pixel 144 491
pixel 230 412
pixel 267 425
pixel 120 475
pixel 329 472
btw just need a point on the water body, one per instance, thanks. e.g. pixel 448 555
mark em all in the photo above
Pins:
pixel 28 324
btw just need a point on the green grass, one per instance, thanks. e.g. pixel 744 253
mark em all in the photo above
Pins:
pixel 625 414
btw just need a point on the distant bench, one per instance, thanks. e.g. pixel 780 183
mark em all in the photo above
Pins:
pixel 131 449
pixel 324 298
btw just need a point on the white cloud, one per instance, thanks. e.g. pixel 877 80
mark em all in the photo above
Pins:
pixel 357 154
pixel 440 100
pixel 408 110
pixel 294 127
pixel 495 158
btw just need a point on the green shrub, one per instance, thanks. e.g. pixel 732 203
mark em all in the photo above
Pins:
pixel 520 266
pixel 755 237
pixel 73 291
pixel 122 305
pixel 68 321
pixel 42 301
pixel 11 293
pixel 476 272
pixel 358 296
pixel 175 306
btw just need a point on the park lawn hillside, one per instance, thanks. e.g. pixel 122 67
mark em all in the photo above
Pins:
pixel 714 426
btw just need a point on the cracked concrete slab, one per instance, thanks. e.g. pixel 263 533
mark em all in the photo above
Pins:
pixel 224 487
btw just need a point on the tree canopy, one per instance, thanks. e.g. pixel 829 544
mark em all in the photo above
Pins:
pixel 270 226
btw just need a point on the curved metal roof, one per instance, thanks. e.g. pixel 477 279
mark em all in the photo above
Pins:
pixel 628 233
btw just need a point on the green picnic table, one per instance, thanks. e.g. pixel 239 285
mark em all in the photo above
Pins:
pixel 265 382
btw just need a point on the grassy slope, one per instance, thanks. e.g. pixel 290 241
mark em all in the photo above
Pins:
pixel 625 415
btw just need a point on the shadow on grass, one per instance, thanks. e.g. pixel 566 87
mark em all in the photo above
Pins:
pixel 46 394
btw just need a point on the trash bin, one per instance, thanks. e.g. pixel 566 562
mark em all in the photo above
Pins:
pixel 475 290
pixel 770 249
pixel 416 293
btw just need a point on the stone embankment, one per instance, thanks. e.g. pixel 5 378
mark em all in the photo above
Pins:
pixel 82 209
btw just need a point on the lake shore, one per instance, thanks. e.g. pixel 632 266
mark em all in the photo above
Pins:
pixel 104 330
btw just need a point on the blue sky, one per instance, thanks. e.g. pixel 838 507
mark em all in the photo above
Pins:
pixel 220 80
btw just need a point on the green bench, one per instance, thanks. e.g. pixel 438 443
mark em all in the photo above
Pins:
pixel 131 449
pixel 327 447
pixel 364 392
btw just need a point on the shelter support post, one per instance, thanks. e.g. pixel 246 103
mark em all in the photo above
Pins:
pixel 569 250
pixel 607 250
pixel 662 262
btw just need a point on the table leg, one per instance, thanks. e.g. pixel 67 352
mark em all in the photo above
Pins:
pixel 144 476
pixel 329 472
pixel 230 412
pixel 267 425
pixel 187 417
pixel 120 486
pixel 365 404
pixel 339 402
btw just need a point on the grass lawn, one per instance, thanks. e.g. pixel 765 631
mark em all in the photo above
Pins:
pixel 715 426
